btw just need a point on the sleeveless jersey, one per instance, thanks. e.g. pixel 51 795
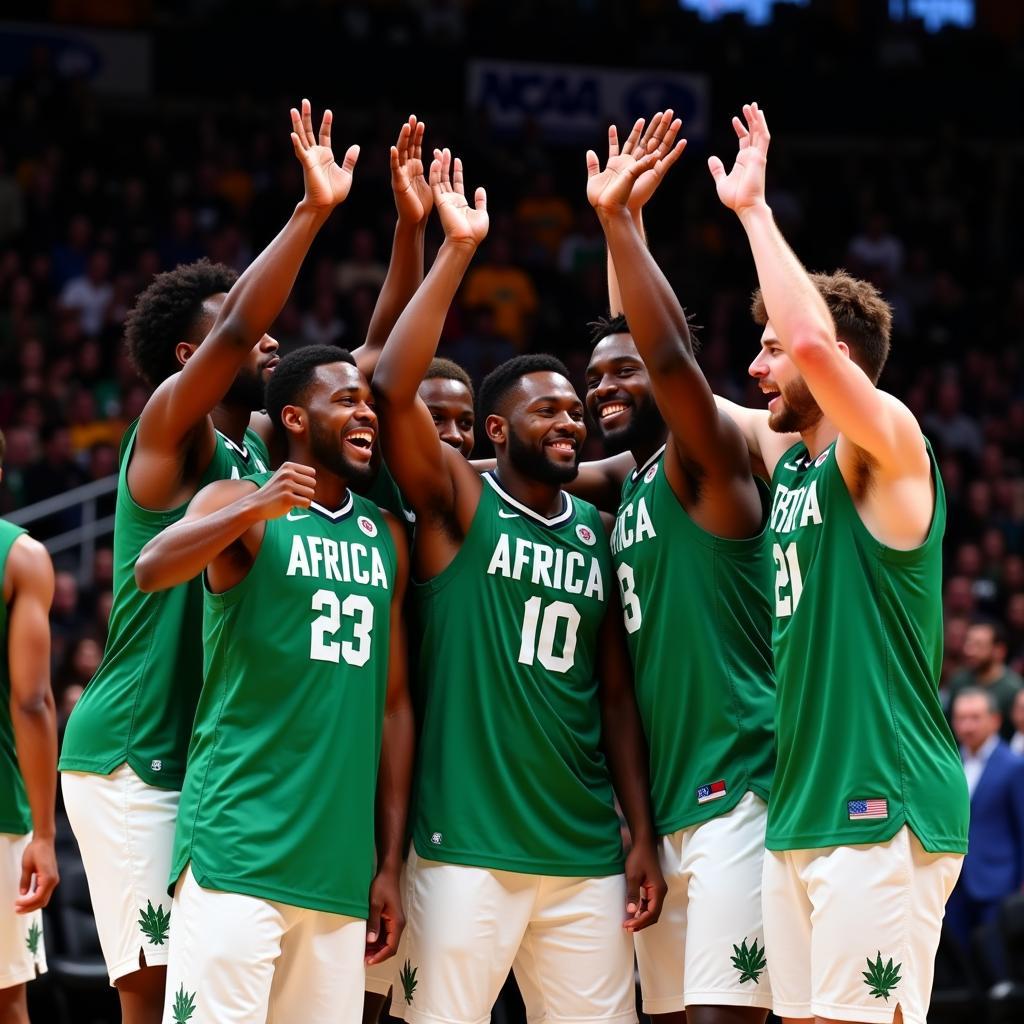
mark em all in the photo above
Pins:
pixel 510 772
pixel 863 746
pixel 699 629
pixel 139 706
pixel 278 800
pixel 15 814
pixel 384 492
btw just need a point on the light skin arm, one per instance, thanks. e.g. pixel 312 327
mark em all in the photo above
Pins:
pixel 624 743
pixel 222 529
pixel 413 201
pixel 427 470
pixel 395 776
pixel 181 403
pixel 28 588
pixel 878 425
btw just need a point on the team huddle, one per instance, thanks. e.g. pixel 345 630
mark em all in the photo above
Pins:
pixel 369 711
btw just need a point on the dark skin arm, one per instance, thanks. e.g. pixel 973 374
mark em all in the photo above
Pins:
pixel 175 439
pixel 28 591
pixel 707 462
pixel 626 748
pixel 441 486
pixel 395 776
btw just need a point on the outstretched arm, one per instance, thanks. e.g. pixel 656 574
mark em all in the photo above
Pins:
pixel 395 776
pixel 28 586
pixel 422 465
pixel 414 201
pixel 867 418
pixel 181 403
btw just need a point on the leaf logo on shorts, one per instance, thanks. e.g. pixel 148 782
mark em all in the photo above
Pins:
pixel 154 923
pixel 184 1005
pixel 408 979
pixel 749 962
pixel 881 979
pixel 35 933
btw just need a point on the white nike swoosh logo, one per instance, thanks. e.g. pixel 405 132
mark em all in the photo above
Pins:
pixel 292 517
pixel 789 465
pixel 507 515
pixel 410 516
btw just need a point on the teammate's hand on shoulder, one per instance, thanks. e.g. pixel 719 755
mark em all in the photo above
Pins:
pixel 386 922
pixel 645 887
pixel 292 486
pixel 413 197
pixel 463 224
pixel 327 183
pixel 38 863
pixel 743 187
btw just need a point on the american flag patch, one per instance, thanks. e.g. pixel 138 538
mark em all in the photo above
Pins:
pixel 714 791
pixel 861 809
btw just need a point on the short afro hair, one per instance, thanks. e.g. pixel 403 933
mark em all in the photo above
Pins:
pixel 862 317
pixel 168 312
pixel 446 369
pixel 504 378
pixel 294 373
pixel 605 325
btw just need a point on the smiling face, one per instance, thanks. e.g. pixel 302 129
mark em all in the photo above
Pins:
pixel 341 422
pixel 619 397
pixel 792 408
pixel 542 431
pixel 451 405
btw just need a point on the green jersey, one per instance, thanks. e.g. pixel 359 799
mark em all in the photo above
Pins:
pixel 278 800
pixel 384 492
pixel 699 630
pixel 510 771
pixel 863 747
pixel 15 814
pixel 138 708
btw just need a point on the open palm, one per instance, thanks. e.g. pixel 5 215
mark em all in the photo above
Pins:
pixel 413 197
pixel 743 186
pixel 462 223
pixel 327 183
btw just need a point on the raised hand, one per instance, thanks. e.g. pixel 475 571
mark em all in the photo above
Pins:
pixel 327 183
pixel 292 486
pixel 413 197
pixel 641 164
pixel 463 224
pixel 743 187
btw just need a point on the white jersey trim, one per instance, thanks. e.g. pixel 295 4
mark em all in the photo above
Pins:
pixel 240 448
pixel 568 508
pixel 334 515
pixel 638 472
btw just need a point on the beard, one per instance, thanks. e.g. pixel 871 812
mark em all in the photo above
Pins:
pixel 329 451
pixel 536 465
pixel 799 409
pixel 645 423
pixel 247 390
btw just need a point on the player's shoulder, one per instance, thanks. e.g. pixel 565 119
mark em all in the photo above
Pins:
pixel 28 564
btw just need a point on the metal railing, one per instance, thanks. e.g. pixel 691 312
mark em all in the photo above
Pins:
pixel 84 536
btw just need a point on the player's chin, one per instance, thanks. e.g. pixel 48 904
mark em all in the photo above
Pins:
pixel 562 471
pixel 359 471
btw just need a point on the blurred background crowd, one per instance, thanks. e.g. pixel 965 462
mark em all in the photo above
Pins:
pixel 896 153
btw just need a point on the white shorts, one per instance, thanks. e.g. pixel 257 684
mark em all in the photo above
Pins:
pixel 125 831
pixel 852 930
pixel 708 947
pixel 22 953
pixel 382 978
pixel 563 937
pixel 239 959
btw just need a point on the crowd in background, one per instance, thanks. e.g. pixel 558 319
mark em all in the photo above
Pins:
pixel 97 197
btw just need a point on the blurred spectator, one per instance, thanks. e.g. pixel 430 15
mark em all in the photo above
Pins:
pixel 544 219
pixel 949 427
pixel 994 865
pixel 876 249
pixel 986 669
pixel 1017 739
pixel 494 282
pixel 55 473
pixel 90 294
pixel 322 325
pixel 362 268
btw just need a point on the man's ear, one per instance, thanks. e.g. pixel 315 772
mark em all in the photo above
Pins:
pixel 496 428
pixel 184 351
pixel 293 417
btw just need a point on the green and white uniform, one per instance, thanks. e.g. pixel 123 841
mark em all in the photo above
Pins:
pixel 867 819
pixel 698 623
pixel 278 802
pixel 514 825
pixel 22 954
pixel 125 745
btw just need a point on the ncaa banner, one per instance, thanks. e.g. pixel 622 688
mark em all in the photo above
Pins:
pixel 576 102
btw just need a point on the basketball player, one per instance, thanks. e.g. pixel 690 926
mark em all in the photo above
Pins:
pixel 517 859
pixel 867 819
pixel 28 764
pixel 124 750
pixel 305 664
pixel 689 546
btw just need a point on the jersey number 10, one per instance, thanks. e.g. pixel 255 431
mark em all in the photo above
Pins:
pixel 542 649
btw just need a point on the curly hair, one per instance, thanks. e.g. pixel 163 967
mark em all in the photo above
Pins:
pixel 862 317
pixel 504 378
pixel 294 374
pixel 605 325
pixel 169 311
pixel 446 369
